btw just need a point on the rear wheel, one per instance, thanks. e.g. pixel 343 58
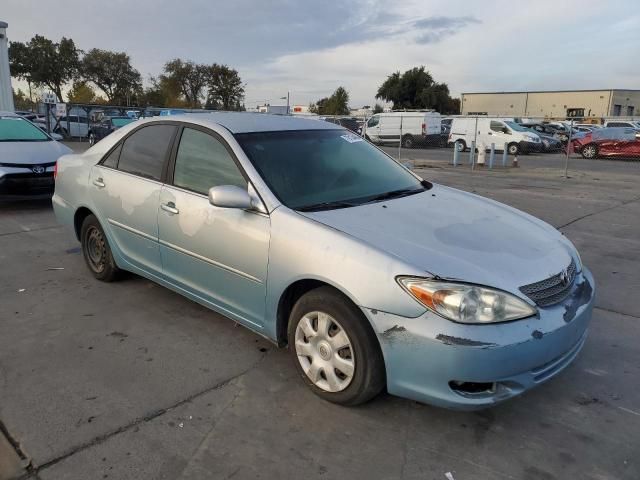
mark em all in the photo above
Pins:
pixel 460 145
pixel 334 348
pixel 92 139
pixel 96 250
pixel 408 141
pixel 589 151
pixel 513 149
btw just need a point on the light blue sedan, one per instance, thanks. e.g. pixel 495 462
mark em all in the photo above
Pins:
pixel 312 237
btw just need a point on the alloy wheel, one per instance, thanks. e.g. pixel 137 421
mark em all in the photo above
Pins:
pixel 324 351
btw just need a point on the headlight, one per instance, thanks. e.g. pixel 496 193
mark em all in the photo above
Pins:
pixel 465 303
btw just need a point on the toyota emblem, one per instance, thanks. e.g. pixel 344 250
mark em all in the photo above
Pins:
pixel 38 169
pixel 564 278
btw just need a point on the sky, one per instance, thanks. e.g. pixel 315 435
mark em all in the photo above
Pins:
pixel 310 47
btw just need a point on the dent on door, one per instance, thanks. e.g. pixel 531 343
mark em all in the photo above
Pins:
pixel 218 254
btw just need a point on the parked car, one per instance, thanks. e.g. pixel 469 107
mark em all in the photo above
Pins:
pixel 106 126
pixel 72 126
pixel 415 127
pixel 608 142
pixel 346 122
pixel 27 158
pixel 312 237
pixel 500 132
pixel 623 123
pixel 549 142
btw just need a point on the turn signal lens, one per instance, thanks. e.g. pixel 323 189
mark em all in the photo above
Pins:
pixel 466 303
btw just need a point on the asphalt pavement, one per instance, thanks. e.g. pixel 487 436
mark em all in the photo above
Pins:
pixel 129 380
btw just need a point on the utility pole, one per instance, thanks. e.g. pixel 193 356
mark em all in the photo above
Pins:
pixel 6 94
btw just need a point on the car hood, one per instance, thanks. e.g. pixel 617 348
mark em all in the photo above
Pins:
pixel 32 153
pixel 457 235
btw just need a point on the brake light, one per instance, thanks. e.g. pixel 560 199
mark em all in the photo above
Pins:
pixel 55 170
pixel 424 127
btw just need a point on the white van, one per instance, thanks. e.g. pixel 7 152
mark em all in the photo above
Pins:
pixel 499 131
pixel 417 127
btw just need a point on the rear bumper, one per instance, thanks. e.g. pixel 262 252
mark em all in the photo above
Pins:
pixel 433 360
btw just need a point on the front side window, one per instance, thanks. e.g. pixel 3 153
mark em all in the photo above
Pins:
pixel 496 126
pixel 203 162
pixel 373 121
pixel 145 151
pixel 317 169
pixel 16 129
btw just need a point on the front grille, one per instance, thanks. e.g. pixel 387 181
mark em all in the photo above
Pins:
pixel 553 289
pixel 27 184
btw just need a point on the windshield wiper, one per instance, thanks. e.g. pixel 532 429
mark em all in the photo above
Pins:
pixel 395 194
pixel 326 206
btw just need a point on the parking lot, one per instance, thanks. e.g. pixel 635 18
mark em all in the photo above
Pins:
pixel 129 380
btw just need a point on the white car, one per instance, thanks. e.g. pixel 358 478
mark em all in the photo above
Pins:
pixel 500 132
pixel 623 123
pixel 414 127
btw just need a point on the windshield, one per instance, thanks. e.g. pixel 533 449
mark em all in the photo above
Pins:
pixel 16 129
pixel 516 127
pixel 121 122
pixel 312 169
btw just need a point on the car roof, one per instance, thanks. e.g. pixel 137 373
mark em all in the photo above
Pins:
pixel 247 122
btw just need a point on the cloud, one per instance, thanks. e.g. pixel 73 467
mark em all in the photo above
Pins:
pixel 435 29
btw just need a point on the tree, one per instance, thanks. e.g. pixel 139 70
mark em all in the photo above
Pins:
pixel 378 108
pixel 43 63
pixel 336 104
pixel 81 92
pixel 21 101
pixel 112 73
pixel 191 79
pixel 225 90
pixel 416 89
pixel 163 92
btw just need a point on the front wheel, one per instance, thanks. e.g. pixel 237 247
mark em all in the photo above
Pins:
pixel 513 149
pixel 96 250
pixel 92 139
pixel 334 348
pixel 460 145
pixel 589 151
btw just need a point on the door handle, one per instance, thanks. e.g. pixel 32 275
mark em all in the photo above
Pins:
pixel 170 207
pixel 98 182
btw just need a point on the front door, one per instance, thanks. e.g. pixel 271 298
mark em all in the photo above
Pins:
pixel 125 187
pixel 217 254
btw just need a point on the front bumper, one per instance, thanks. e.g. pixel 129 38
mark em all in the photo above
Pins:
pixel 424 355
pixel 530 147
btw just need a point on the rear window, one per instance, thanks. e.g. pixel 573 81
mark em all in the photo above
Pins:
pixel 16 129
pixel 121 122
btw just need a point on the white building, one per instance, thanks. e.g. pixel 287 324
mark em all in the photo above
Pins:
pixel 6 95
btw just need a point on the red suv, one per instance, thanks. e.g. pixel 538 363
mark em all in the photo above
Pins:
pixel 608 142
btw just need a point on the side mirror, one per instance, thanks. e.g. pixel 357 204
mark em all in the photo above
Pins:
pixel 506 130
pixel 230 196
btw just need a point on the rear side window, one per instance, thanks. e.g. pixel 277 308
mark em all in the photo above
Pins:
pixel 203 162
pixel 111 160
pixel 145 151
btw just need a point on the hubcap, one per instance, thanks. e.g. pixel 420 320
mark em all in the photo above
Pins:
pixel 96 250
pixel 324 352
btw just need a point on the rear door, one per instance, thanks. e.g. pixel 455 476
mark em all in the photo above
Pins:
pixel 217 254
pixel 125 188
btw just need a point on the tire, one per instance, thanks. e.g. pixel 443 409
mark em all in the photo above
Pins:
pixel 356 365
pixel 460 145
pixel 92 139
pixel 96 251
pixel 513 149
pixel 589 151
pixel 408 141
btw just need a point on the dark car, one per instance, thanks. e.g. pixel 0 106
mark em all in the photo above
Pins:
pixel 346 122
pixel 552 130
pixel 105 126
pixel 608 142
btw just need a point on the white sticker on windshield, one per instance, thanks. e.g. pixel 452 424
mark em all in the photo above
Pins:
pixel 351 138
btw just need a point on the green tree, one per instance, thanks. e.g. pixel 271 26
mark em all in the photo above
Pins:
pixel 416 89
pixel 21 101
pixel 336 104
pixel 164 92
pixel 112 73
pixel 44 63
pixel 225 90
pixel 81 92
pixel 378 108
pixel 190 78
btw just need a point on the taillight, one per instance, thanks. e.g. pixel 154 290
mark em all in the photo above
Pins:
pixel 424 128
pixel 55 170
